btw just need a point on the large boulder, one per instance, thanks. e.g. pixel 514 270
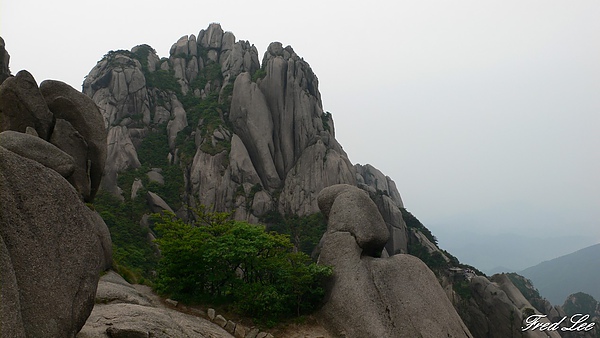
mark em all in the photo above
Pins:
pixel 52 252
pixel 22 105
pixel 65 102
pixel 38 150
pixel 125 311
pixel 69 140
pixel 369 296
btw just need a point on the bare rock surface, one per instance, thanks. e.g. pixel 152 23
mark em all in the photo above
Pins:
pixel 55 252
pixel 66 138
pixel 36 149
pixel 66 103
pixel 22 105
pixel 4 61
pixel 123 310
pixel 377 297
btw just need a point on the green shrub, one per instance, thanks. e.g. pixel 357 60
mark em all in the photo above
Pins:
pixel 259 74
pixel 216 259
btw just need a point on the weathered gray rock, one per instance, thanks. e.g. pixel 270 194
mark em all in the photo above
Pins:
pixel 69 140
pixel 491 313
pixel 100 230
pixel 123 310
pixel 212 37
pixel 4 61
pixel 220 320
pixel 65 102
pixel 242 169
pixel 399 234
pixel 377 297
pixel 121 155
pixel 38 150
pixel 230 327
pixel 22 105
pixel 132 320
pixel 155 176
pixel 252 333
pixel 253 123
pixel 10 314
pixel 55 253
pixel 376 181
pixel 318 167
pixel 118 86
pixel 135 187
pixel 291 90
pixel 113 289
pixel 179 121
pixel 156 203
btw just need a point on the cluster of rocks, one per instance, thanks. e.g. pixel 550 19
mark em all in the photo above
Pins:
pixel 275 128
pixel 52 246
pixel 123 310
pixel 57 126
pixel 281 144
pixel 237 330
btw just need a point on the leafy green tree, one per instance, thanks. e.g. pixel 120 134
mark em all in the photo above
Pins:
pixel 217 259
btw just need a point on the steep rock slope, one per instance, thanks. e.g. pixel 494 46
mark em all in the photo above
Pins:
pixel 249 139
pixel 52 246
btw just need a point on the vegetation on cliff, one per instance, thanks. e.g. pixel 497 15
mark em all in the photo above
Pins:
pixel 217 260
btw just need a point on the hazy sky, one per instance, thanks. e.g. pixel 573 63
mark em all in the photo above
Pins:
pixel 485 113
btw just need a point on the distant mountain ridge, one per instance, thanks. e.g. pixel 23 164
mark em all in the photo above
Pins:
pixel 579 271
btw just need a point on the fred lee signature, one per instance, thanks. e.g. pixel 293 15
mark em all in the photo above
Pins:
pixel 577 322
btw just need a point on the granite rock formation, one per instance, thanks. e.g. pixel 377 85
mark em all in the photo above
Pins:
pixel 123 310
pixel 4 61
pixel 268 132
pixel 52 251
pixel 497 308
pixel 370 296
pixel 52 246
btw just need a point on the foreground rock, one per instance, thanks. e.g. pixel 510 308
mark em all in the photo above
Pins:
pixel 4 60
pixel 123 311
pixel 377 297
pixel 52 253
pixel 80 112
pixel 22 105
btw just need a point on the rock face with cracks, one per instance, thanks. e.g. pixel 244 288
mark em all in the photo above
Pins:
pixel 52 246
pixel 377 297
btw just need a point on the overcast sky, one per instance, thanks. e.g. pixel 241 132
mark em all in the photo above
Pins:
pixel 485 113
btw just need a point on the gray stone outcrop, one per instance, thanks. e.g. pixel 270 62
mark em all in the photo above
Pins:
pixel 22 105
pixel 36 149
pixel 279 135
pixel 52 251
pixel 497 309
pixel 377 297
pixel 4 61
pixel 86 135
pixel 125 310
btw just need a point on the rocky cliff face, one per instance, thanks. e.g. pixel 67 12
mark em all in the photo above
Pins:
pixel 52 246
pixel 249 138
